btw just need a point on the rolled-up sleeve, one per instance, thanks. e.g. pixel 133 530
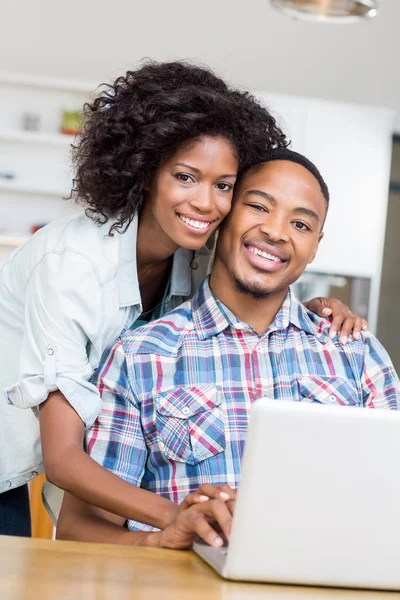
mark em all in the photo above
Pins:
pixel 380 383
pixel 116 439
pixel 63 316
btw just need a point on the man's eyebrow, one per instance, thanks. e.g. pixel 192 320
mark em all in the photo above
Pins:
pixel 307 212
pixel 232 175
pixel 262 194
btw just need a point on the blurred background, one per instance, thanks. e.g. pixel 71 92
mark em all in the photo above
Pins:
pixel 335 89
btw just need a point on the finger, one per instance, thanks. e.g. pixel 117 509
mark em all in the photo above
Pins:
pixel 347 328
pixel 364 325
pixel 357 327
pixel 224 491
pixel 203 529
pixel 191 499
pixel 337 321
pixel 219 511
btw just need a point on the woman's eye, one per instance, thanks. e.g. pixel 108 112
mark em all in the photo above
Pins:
pixel 183 177
pixel 224 187
pixel 301 226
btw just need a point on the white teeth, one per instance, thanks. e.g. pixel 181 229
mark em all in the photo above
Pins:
pixel 195 224
pixel 264 254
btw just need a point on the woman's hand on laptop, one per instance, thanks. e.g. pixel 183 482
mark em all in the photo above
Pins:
pixel 209 519
pixel 207 492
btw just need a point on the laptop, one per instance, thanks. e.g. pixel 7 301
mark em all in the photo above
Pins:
pixel 319 499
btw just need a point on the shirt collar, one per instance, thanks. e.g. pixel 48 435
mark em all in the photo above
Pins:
pixel 211 317
pixel 293 312
pixel 128 283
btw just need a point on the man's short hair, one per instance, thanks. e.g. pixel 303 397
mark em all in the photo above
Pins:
pixel 295 157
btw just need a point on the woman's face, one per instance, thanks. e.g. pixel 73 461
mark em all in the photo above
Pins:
pixel 192 191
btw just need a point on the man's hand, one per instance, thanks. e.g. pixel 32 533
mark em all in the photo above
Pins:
pixel 343 320
pixel 210 519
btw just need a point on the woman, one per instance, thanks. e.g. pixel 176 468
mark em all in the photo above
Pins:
pixel 155 169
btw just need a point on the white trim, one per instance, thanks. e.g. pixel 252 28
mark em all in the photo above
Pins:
pixel 85 87
pixel 10 185
pixel 12 241
pixel 36 137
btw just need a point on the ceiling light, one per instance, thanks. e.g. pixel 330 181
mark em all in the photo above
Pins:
pixel 339 11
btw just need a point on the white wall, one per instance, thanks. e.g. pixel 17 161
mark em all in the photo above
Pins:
pixel 249 42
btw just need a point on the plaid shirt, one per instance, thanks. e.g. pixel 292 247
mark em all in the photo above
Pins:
pixel 177 393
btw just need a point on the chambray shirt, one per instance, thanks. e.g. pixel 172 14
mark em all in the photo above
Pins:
pixel 177 393
pixel 65 296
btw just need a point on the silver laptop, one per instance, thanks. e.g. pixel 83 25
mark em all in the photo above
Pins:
pixel 319 499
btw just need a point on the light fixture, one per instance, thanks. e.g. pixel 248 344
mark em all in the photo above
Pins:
pixel 339 11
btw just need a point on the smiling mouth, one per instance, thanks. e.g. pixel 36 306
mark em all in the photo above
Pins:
pixel 265 255
pixel 194 224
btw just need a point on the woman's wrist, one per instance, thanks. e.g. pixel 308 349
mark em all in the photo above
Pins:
pixel 169 514
pixel 152 539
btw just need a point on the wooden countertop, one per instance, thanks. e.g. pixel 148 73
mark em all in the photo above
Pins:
pixel 32 569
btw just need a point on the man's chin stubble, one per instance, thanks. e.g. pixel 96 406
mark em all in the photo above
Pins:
pixel 255 293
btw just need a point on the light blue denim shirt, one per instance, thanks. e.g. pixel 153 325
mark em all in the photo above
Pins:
pixel 65 296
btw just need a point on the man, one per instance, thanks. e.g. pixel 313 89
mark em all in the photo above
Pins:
pixel 177 393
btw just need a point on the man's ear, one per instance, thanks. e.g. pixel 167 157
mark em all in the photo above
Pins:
pixel 314 253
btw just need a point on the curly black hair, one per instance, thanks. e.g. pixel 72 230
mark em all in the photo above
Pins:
pixel 143 118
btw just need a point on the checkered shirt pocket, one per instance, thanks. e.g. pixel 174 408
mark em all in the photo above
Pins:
pixel 190 423
pixel 327 390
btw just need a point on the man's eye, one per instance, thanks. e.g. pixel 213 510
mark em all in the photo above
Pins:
pixel 259 207
pixel 225 187
pixel 183 177
pixel 301 226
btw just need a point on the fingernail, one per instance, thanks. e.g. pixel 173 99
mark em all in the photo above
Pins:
pixel 364 327
pixel 218 541
pixel 326 311
pixel 224 496
pixel 356 336
pixel 332 334
pixel 344 340
pixel 203 498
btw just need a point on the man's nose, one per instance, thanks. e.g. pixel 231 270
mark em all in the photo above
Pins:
pixel 275 228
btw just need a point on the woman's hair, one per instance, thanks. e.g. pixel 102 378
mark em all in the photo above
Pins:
pixel 142 119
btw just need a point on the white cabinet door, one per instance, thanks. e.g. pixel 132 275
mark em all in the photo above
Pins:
pixel 291 115
pixel 351 145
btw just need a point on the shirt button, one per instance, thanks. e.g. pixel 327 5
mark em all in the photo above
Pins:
pixel 35 473
pixel 8 484
pixel 333 398
pixel 194 265
pixel 185 410
pixel 50 351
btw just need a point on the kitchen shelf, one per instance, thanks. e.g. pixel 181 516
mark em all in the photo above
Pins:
pixel 10 185
pixel 13 241
pixel 84 87
pixel 36 137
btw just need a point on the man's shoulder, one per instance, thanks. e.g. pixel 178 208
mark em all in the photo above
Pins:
pixel 163 336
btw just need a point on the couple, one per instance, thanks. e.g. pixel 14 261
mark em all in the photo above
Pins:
pixel 153 198
pixel 177 393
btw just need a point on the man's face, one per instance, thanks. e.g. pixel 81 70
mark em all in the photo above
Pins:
pixel 273 230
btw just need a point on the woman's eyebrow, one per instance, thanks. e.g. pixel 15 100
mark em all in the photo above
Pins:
pixel 180 164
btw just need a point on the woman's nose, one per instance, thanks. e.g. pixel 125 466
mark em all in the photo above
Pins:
pixel 203 199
